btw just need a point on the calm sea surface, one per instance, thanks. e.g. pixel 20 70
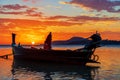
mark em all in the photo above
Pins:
pixel 109 69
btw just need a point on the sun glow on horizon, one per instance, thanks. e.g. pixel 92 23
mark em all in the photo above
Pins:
pixel 33 42
pixel 32 20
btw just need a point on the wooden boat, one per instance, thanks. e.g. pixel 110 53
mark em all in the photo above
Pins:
pixel 79 56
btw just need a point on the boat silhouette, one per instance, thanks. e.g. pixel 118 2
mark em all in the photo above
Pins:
pixel 47 54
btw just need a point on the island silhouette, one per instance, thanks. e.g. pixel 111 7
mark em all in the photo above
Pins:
pixel 83 41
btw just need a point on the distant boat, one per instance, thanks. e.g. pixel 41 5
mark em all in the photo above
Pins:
pixel 47 54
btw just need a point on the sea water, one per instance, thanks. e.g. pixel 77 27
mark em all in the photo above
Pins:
pixel 109 69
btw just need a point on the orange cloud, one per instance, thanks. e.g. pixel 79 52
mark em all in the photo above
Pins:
pixel 31 30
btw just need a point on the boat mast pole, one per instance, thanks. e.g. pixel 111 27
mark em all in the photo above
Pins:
pixel 13 39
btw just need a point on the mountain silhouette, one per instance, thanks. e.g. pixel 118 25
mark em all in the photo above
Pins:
pixel 73 40
pixel 83 41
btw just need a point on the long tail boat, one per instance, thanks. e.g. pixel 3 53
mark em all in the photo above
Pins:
pixel 47 54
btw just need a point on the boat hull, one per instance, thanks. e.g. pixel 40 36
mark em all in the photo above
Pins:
pixel 58 56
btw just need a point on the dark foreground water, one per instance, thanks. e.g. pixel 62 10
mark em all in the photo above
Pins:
pixel 109 69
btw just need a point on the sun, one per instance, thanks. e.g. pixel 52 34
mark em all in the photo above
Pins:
pixel 33 42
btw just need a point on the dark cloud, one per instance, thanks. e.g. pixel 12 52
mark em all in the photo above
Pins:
pixel 97 4
pixel 14 13
pixel 87 18
pixel 83 18
pixel 12 7
pixel 19 10
pixel 58 17
pixel 33 12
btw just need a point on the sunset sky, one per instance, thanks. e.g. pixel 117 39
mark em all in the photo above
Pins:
pixel 32 20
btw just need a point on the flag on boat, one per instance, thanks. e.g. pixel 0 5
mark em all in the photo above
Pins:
pixel 47 43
